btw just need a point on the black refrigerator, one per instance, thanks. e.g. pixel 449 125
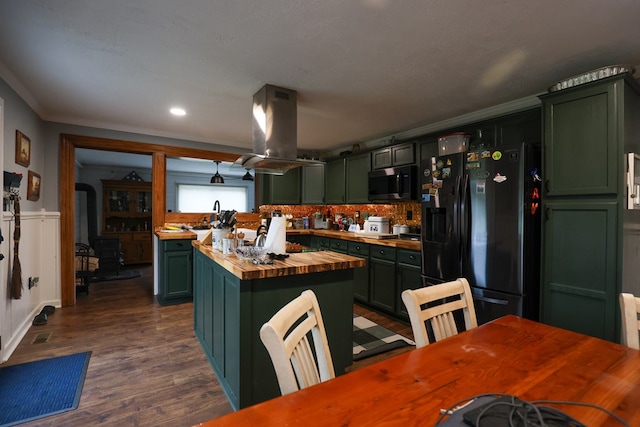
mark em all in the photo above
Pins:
pixel 481 221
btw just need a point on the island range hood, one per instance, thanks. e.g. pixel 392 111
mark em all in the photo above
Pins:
pixel 275 127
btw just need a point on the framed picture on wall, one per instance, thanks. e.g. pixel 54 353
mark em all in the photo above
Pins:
pixel 33 186
pixel 23 149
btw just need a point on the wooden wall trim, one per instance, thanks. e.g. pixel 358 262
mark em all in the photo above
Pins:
pixel 67 222
pixel 159 189
pixel 159 153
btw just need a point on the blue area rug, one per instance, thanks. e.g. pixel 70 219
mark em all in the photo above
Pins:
pixel 38 389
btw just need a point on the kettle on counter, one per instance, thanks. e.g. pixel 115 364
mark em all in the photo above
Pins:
pixel 261 235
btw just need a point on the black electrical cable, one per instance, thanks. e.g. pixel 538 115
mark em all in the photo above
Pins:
pixel 524 413
pixel 587 405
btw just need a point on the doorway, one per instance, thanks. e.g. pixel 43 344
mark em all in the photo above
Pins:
pixel 159 154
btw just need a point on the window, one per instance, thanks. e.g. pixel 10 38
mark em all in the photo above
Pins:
pixel 200 198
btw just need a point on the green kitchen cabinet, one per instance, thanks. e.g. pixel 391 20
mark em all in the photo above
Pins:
pixel 313 184
pixel 409 277
pixel 175 284
pixel 280 189
pixel 347 180
pixel 323 243
pixel 338 245
pixel 382 274
pixel 580 246
pixel 525 127
pixel 361 283
pixel 357 178
pixel 582 147
pixel 314 241
pixel 428 149
pixel 301 239
pixel 395 155
pixel 590 237
pixel 334 181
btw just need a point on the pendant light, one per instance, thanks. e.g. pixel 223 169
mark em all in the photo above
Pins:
pixel 217 178
pixel 247 176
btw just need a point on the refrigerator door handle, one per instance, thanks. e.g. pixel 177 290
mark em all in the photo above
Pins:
pixel 465 222
pixel 491 300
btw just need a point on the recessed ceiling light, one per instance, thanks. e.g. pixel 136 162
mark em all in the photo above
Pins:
pixel 177 111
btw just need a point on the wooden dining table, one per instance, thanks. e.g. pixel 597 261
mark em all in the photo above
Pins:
pixel 510 355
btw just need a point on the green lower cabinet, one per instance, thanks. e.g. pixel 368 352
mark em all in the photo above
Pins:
pixel 580 286
pixel 409 277
pixel 382 272
pixel 301 239
pixel 175 283
pixel 361 283
pixel 338 245
pixel 229 313
pixel 324 243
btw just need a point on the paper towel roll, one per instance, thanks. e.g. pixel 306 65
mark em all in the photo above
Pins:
pixel 277 236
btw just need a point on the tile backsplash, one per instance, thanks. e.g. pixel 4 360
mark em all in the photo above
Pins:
pixel 398 213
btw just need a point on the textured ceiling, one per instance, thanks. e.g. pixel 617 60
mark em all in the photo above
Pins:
pixel 363 69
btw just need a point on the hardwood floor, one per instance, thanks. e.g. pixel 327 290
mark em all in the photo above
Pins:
pixel 146 367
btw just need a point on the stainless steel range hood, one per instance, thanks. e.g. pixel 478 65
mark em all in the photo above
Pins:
pixel 275 128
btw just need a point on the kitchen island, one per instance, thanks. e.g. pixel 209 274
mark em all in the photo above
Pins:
pixel 234 298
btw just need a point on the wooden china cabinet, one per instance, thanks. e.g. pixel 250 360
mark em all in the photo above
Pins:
pixel 126 209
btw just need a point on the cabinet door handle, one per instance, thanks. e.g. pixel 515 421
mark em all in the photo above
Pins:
pixel 357 248
pixel 381 252
pixel 412 257
pixel 179 244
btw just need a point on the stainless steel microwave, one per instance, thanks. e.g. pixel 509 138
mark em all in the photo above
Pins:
pixel 399 183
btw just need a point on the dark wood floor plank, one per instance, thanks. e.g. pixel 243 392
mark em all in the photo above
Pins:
pixel 146 367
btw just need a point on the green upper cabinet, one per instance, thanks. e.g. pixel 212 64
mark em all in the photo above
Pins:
pixel 521 128
pixel 347 179
pixel 313 184
pixel 357 182
pixel 396 155
pixel 581 139
pixel 334 181
pixel 280 189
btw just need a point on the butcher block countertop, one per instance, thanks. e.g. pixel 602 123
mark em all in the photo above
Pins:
pixel 359 237
pixel 176 235
pixel 296 263
pixel 344 235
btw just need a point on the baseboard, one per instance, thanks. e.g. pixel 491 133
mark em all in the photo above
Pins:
pixel 22 330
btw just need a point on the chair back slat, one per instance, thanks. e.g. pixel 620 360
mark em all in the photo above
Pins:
pixel 296 341
pixel 629 310
pixel 435 305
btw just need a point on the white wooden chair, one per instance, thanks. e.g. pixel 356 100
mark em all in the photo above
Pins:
pixel 286 337
pixel 630 308
pixel 438 311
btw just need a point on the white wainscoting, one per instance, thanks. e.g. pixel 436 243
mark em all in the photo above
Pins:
pixel 39 254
